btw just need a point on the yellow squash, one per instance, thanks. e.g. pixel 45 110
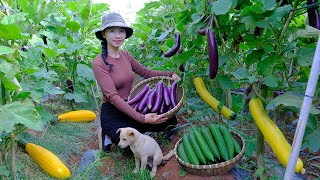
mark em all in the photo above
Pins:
pixel 208 98
pixel 77 116
pixel 273 134
pixel 49 162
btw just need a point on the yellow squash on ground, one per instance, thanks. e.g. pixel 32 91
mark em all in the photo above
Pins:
pixel 208 98
pixel 48 161
pixel 77 116
pixel 272 134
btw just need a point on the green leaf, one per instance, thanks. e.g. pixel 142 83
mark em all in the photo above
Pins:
pixel 54 91
pixel 268 4
pixel 312 141
pixel 36 41
pixel 305 56
pixel 84 11
pixel 241 73
pixel 73 25
pixel 50 52
pixel 289 100
pixel 44 114
pixel 144 28
pixel 265 66
pixel 9 84
pixel 9 70
pixel 10 31
pixel 221 7
pixel 27 7
pixel 20 113
pixel 85 71
pixel 237 102
pixel 164 48
pixel 6 50
pixel 14 18
pixel 270 81
pixel 279 13
pixel 225 82
pixel 77 97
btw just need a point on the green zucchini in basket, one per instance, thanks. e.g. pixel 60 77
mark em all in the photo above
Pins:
pixel 237 147
pixel 210 141
pixel 192 157
pixel 182 153
pixel 227 136
pixel 214 129
pixel 203 144
pixel 196 147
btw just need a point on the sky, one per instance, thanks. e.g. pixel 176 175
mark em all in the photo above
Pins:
pixel 127 8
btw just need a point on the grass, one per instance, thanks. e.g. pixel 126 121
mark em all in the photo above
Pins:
pixel 62 139
pixel 70 139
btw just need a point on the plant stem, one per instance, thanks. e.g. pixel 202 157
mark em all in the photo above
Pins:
pixel 283 32
pixel 3 94
pixel 260 148
pixel 13 156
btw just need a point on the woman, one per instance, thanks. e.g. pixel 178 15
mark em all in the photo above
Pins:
pixel 114 70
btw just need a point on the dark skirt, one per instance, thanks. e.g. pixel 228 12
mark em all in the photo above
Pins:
pixel 112 119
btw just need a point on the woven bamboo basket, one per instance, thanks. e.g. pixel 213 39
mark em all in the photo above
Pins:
pixel 213 169
pixel 152 82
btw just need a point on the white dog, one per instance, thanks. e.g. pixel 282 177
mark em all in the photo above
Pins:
pixel 142 146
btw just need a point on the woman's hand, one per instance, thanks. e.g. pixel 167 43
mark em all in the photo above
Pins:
pixel 175 77
pixel 153 118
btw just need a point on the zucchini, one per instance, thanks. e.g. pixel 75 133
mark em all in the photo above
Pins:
pixel 203 144
pixel 48 161
pixel 237 147
pixel 273 134
pixel 220 141
pixel 196 147
pixel 227 139
pixel 210 141
pixel 78 116
pixel 192 157
pixel 182 153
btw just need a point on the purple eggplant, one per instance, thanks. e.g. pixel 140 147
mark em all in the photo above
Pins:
pixel 313 15
pixel 144 101
pixel 175 47
pixel 166 95
pixel 163 108
pixel 70 85
pixel 151 99
pixel 213 54
pixel 173 96
pixel 158 98
pixel 140 95
pixel 145 110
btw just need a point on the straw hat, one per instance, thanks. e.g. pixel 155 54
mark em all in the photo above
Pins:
pixel 113 20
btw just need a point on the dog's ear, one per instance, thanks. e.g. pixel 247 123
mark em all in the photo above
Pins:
pixel 130 132
pixel 119 130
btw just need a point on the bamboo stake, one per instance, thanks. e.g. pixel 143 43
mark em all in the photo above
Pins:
pixel 304 113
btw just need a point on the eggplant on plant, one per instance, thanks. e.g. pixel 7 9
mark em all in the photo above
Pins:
pixel 313 15
pixel 213 54
pixel 175 47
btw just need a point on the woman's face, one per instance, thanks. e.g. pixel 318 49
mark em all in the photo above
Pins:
pixel 115 36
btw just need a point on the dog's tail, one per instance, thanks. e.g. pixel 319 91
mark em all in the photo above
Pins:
pixel 168 156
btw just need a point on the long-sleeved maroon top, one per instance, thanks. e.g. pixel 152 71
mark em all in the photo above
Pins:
pixel 116 84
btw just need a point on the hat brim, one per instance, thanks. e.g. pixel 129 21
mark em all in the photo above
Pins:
pixel 129 30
